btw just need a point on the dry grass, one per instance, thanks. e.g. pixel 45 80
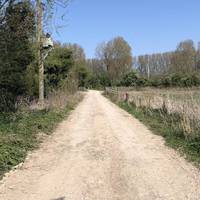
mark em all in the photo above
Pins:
pixel 61 99
pixel 56 100
pixel 19 130
pixel 183 102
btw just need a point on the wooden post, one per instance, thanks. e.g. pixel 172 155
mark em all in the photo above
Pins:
pixel 40 59
pixel 126 97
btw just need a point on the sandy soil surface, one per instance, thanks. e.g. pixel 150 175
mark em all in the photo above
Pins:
pixel 102 153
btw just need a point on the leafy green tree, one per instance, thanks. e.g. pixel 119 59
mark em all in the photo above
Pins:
pixel 16 51
pixel 83 75
pixel 104 80
pixel 31 80
pixel 57 67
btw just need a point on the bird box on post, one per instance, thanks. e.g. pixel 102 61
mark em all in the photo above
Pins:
pixel 47 42
pixel 47 45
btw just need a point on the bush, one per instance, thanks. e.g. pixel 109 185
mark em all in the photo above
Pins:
pixel 176 80
pixel 7 100
pixel 130 79
pixel 18 133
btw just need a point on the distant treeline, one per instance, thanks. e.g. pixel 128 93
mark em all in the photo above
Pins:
pixel 185 59
pixel 176 68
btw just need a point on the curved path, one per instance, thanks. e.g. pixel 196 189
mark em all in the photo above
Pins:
pixel 102 153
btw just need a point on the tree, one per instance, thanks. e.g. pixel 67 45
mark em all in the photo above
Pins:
pixel 183 59
pixel 18 72
pixel 143 65
pixel 96 66
pixel 77 52
pixel 83 75
pixel 48 6
pixel 4 4
pixel 117 57
pixel 16 51
pixel 198 57
pixel 57 67
pixel 153 65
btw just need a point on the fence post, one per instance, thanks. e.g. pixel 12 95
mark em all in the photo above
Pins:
pixel 164 107
pixel 140 102
pixel 126 97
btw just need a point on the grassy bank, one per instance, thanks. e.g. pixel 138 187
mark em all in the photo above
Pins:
pixel 180 129
pixel 19 133
pixel 168 126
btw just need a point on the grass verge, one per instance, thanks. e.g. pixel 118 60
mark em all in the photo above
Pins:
pixel 168 126
pixel 18 133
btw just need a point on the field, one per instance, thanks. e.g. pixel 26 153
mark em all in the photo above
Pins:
pixel 172 113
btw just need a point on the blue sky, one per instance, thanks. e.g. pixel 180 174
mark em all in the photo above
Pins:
pixel 149 26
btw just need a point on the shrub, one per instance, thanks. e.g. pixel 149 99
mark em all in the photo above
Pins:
pixel 176 80
pixel 57 67
pixel 129 80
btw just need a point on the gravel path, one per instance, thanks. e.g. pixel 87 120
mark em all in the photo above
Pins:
pixel 102 153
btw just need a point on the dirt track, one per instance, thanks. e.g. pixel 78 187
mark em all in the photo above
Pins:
pixel 102 153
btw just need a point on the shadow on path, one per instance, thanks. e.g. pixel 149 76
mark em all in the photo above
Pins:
pixel 61 198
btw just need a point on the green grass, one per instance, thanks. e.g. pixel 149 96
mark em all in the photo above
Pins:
pixel 168 126
pixel 18 134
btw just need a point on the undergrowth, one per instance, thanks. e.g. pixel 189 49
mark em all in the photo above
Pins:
pixel 18 133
